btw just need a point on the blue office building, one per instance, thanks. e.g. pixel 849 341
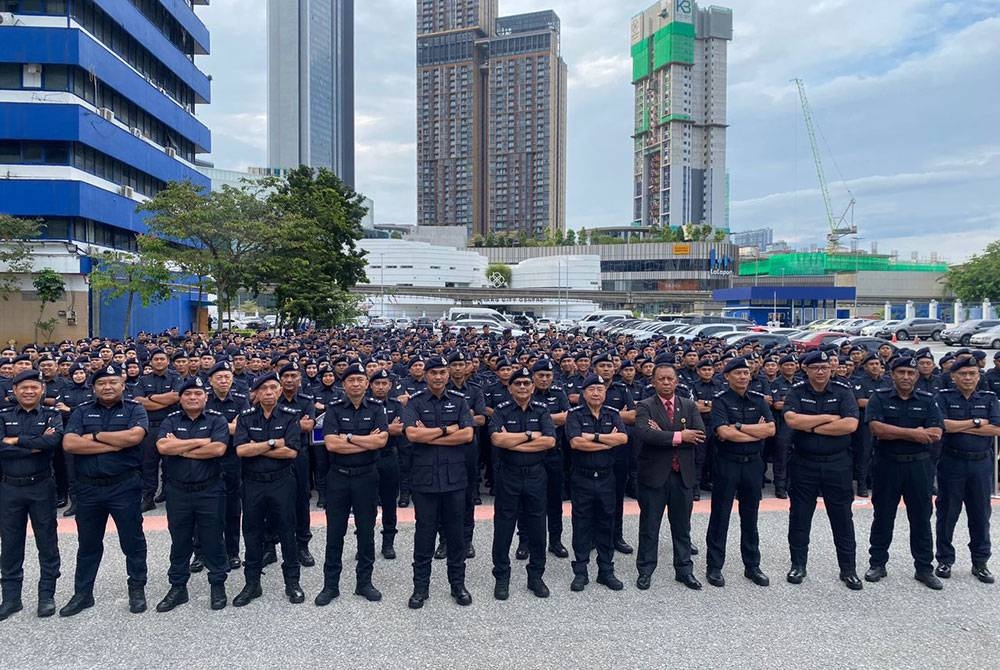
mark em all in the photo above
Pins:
pixel 97 114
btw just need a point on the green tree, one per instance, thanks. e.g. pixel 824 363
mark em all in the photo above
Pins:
pixel 570 239
pixel 721 236
pixel 15 251
pixel 315 260
pixel 119 274
pixel 222 238
pixel 583 237
pixel 499 268
pixel 476 241
pixel 979 278
pixel 559 239
pixel 50 287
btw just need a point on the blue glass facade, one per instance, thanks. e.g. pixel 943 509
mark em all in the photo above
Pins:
pixel 97 113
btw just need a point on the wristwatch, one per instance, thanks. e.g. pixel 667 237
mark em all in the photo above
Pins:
pixel 444 431
pixel 597 437
pixel 528 433
pixel 348 438
pixel 977 423
pixel 271 444
pixel 738 426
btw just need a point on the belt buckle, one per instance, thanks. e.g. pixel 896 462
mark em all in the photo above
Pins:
pixel 596 474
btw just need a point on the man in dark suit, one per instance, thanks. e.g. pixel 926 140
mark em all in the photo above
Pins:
pixel 669 428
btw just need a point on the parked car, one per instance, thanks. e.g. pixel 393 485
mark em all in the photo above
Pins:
pixel 910 328
pixel 963 332
pixel 870 330
pixel 424 322
pixel 989 338
pixel 854 328
pixel 739 340
pixel 381 323
pixel 870 344
pixel 479 323
pixel 544 323
pixel 810 340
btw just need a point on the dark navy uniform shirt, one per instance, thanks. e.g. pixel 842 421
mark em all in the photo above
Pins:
pixel 510 417
pixel 29 427
pixel 495 394
pixel 920 410
pixel 580 421
pixel 730 408
pixel 229 407
pixel 438 469
pixel 305 405
pixel 209 424
pixel 980 405
pixel 94 417
pixel 836 399
pixel 253 426
pixel 154 384
pixel 343 418
pixel 74 395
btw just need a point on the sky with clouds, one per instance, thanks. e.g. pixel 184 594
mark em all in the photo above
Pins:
pixel 906 94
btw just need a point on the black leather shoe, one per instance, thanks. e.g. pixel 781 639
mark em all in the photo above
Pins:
pixel 177 595
pixel 470 551
pixel 388 551
pixel 270 555
pixel 715 578
pixel 982 573
pixel 538 587
pixel 694 550
pixel 137 600
pixel 306 559
pixel 368 592
pixel 235 563
pixel 851 580
pixel 76 604
pixel 441 551
pixel 521 553
pixel 197 564
pixel 943 571
pixel 796 574
pixel 875 573
pixel 579 583
pixel 71 510
pixel 147 503
pixel 9 607
pixel 610 581
pixel 461 595
pixel 294 592
pixel 321 501
pixel 328 594
pixel 558 550
pixel 756 576
pixel 501 590
pixel 643 582
pixel 250 592
pixel 929 580
pixel 696 496
pixel 404 501
pixel 219 599
pixel 623 547
pixel 60 502
pixel 689 581
pixel 46 605
pixel 707 486
pixel 862 492
pixel 160 496
pixel 418 597
pixel 781 493
pixel 477 500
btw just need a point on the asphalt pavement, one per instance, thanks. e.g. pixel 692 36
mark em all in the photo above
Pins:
pixel 897 623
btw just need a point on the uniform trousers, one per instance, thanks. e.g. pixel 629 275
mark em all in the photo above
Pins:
pixel 37 502
pixel 350 490
pixel 520 500
pixel 832 478
pixel 735 478
pixel 910 480
pixel 121 501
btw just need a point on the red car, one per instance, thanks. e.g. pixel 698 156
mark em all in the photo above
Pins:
pixel 814 340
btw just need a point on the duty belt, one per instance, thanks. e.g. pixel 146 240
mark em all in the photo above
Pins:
pixel 27 480
pixel 107 481
pixel 264 477
pixel 504 465
pixel 968 455
pixel 353 472
pixel 905 458
pixel 820 458
pixel 592 473
pixel 194 487
pixel 739 458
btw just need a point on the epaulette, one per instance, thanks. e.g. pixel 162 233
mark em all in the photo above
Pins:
pixel 458 393
pixel 577 408
pixel 556 387
pixel 291 410
pixel 376 401
pixel 7 409
pixel 613 409
pixel 87 402
pixel 954 390
pixel 927 394
pixel 986 392
pixel 756 393
pixel 841 384
pixel 418 394
pixel 176 412
pixel 238 394
pixel 248 410
pixel 213 411
pixel 541 405
pixel 505 403
pixel 883 390
pixel 720 394
pixel 800 384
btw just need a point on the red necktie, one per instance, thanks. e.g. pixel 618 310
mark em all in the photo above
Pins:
pixel 675 463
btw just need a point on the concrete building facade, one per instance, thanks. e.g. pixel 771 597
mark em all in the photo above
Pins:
pixel 679 74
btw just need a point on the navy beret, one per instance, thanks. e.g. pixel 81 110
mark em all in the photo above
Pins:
pixel 814 357
pixel 788 358
pixel 179 354
pixel 869 358
pixel 28 376
pixel 736 364
pixel 354 369
pixel 434 362
pixel 504 363
pixel 664 359
pixel 957 365
pixel 456 357
pixel 109 371
pixel 415 360
pixel 521 373
pixel 924 352
pixel 979 354
pixel 381 374
pixel 601 358
pixel 221 366
pixel 191 383
pixel 626 363
pixel 288 367
pixel 543 365
pixel 905 362
pixel 592 380
pixel 705 363
pixel 261 379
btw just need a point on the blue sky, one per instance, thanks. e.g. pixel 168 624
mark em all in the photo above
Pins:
pixel 906 94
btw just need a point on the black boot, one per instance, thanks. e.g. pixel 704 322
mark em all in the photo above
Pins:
pixel 71 510
pixel 219 597
pixel 177 595
pixel 10 606
pixel 249 593
pixel 197 564
pixel 388 551
pixel 148 504
pixel 270 555
pixel 294 591
pixel 46 605
pixel 136 599
pixel 76 604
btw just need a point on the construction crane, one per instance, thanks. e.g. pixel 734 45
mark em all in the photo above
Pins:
pixel 839 227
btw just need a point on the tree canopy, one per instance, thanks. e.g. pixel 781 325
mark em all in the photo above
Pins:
pixel 979 278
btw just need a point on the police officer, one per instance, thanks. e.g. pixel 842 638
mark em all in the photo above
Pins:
pixel 905 423
pixel 354 430
pixel 105 438
pixel 30 433
pixel 619 397
pixel 594 430
pixel 157 394
pixel 788 368
pixel 965 471
pixel 703 392
pixel 293 398
pixel 522 431
pixel 458 373
pixel 193 441
pixel 438 424
pixel 823 414
pixel 380 384
pixel 871 378
pixel 742 420
pixel 267 440
pixel 229 403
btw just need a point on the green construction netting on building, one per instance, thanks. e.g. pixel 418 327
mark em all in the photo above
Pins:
pixel 673 43
pixel 640 60
pixel 823 264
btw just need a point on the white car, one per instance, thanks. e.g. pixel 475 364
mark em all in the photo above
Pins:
pixel 479 323
pixel 871 329
pixel 989 338
pixel 545 323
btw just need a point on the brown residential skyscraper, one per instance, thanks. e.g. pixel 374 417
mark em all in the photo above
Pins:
pixel 491 119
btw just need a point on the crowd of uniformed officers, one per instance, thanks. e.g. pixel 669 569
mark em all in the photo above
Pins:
pixel 234 437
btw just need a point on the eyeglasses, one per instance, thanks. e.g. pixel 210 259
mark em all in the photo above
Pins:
pixel 521 383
